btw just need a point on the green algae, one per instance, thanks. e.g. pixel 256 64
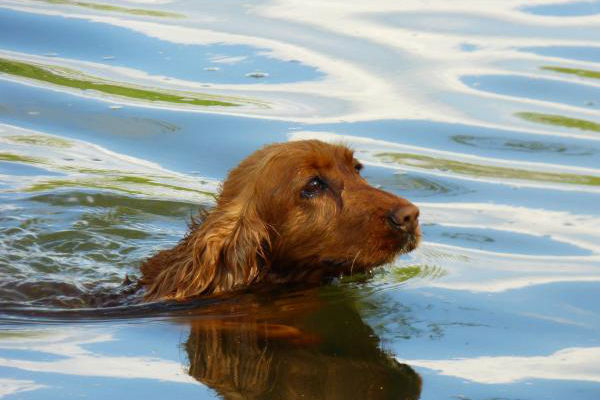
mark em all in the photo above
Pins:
pixel 559 120
pixel 17 335
pixel 403 274
pixel 121 205
pixel 113 8
pixel 39 140
pixel 526 146
pixel 78 183
pixel 478 170
pixel 118 183
pixel 18 158
pixel 584 73
pixel 51 75
pixel 147 181
pixel 94 178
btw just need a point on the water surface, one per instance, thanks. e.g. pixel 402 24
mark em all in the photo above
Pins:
pixel 122 118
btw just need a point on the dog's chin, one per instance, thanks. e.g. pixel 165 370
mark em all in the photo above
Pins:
pixel 410 242
pixel 406 243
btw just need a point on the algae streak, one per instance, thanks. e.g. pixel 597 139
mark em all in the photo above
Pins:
pixel 124 184
pixel 478 170
pixel 559 120
pixel 20 159
pixel 403 274
pixel 39 140
pixel 43 74
pixel 113 8
pixel 584 73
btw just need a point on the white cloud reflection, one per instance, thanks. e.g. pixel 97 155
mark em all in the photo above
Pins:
pixel 70 344
pixel 13 386
pixel 575 364
pixel 89 165
pixel 373 69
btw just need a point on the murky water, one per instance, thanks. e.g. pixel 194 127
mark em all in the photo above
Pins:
pixel 119 119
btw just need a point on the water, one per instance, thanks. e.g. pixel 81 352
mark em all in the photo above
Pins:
pixel 118 121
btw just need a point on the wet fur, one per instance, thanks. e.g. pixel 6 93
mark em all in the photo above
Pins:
pixel 262 229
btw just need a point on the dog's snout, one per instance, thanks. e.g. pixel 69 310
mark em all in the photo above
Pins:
pixel 405 217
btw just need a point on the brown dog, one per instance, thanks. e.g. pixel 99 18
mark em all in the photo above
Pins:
pixel 290 212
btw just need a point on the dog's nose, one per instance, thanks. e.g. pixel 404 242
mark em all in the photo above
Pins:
pixel 405 217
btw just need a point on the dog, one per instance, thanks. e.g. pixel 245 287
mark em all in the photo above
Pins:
pixel 291 212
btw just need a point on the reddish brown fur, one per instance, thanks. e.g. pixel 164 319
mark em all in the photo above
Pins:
pixel 263 229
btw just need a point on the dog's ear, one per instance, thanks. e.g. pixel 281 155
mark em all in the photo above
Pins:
pixel 229 249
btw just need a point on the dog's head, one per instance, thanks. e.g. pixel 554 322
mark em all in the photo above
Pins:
pixel 294 211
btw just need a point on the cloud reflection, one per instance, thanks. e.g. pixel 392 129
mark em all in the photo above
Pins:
pixel 576 364
pixel 70 344
pixel 13 386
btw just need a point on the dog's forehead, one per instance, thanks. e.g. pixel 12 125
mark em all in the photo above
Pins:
pixel 328 156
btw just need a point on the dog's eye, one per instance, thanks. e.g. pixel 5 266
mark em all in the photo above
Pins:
pixel 313 187
pixel 358 167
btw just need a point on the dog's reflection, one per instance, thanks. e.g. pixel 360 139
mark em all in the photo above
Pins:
pixel 307 345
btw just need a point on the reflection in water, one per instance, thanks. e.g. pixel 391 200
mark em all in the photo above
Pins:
pixel 578 364
pixel 64 77
pixel 580 53
pixel 13 386
pixel 120 47
pixel 565 9
pixel 526 146
pixel 492 131
pixel 71 352
pixel 306 343
pixel 501 241
pixel 546 90
pixel 306 346
pixel 85 165
pixel 481 170
pixel 416 186
pixel 393 155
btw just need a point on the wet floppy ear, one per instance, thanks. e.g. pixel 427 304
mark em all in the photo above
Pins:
pixel 243 250
pixel 228 250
